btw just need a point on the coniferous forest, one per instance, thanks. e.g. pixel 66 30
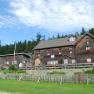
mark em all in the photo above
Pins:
pixel 27 45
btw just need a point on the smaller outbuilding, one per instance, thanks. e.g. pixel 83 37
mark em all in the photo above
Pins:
pixel 20 59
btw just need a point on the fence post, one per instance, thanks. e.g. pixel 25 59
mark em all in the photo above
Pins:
pixel 61 80
pixel 87 80
pixel 38 80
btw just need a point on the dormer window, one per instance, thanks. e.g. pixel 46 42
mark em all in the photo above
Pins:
pixel 72 39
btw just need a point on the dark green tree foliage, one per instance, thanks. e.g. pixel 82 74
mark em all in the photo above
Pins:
pixel 39 37
pixel 91 31
pixel 60 36
pixel 83 31
pixel 12 67
pixel 25 46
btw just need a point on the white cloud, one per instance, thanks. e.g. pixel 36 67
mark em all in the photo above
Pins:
pixel 7 21
pixel 54 14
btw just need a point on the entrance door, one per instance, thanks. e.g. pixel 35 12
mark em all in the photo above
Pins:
pixel 37 62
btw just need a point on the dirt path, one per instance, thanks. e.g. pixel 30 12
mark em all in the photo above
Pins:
pixel 8 93
pixel 3 93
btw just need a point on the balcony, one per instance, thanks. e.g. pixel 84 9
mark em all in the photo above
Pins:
pixel 65 66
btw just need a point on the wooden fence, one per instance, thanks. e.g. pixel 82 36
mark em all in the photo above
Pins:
pixel 77 78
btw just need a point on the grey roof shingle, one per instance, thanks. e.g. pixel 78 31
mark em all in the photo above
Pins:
pixel 55 43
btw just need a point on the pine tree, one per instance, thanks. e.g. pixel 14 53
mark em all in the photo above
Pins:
pixel 91 31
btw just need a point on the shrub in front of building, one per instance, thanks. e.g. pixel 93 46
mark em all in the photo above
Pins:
pixel 90 71
pixel 13 69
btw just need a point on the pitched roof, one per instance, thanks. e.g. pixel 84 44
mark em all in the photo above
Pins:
pixel 26 54
pixel 59 42
pixel 55 43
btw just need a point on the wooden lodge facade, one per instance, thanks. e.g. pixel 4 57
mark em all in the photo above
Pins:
pixel 68 50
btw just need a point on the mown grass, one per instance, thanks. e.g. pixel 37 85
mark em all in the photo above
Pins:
pixel 31 87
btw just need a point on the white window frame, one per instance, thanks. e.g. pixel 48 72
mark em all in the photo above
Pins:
pixel 88 48
pixel 65 61
pixel 20 65
pixel 53 62
pixel 14 62
pixel 71 39
pixel 73 61
pixel 52 56
pixel 89 60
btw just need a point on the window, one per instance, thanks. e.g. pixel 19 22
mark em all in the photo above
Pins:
pixel 87 44
pixel 59 49
pixel 52 56
pixel 20 65
pixel 38 55
pixel 70 52
pixel 73 61
pixel 52 62
pixel 71 39
pixel 7 62
pixel 14 62
pixel 88 60
pixel 60 53
pixel 70 49
pixel 65 61
pixel 88 48
pixel 48 53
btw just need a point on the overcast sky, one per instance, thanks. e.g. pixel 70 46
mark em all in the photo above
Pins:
pixel 22 19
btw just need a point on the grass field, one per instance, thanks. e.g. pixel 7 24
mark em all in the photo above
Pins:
pixel 30 87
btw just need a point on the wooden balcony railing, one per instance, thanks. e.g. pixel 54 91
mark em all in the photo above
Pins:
pixel 62 66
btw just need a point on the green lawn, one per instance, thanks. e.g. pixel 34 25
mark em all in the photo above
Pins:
pixel 30 87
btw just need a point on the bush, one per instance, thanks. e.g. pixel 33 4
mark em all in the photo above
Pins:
pixel 13 69
pixel 20 71
pixel 89 71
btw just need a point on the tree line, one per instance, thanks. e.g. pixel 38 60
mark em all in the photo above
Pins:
pixel 27 45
